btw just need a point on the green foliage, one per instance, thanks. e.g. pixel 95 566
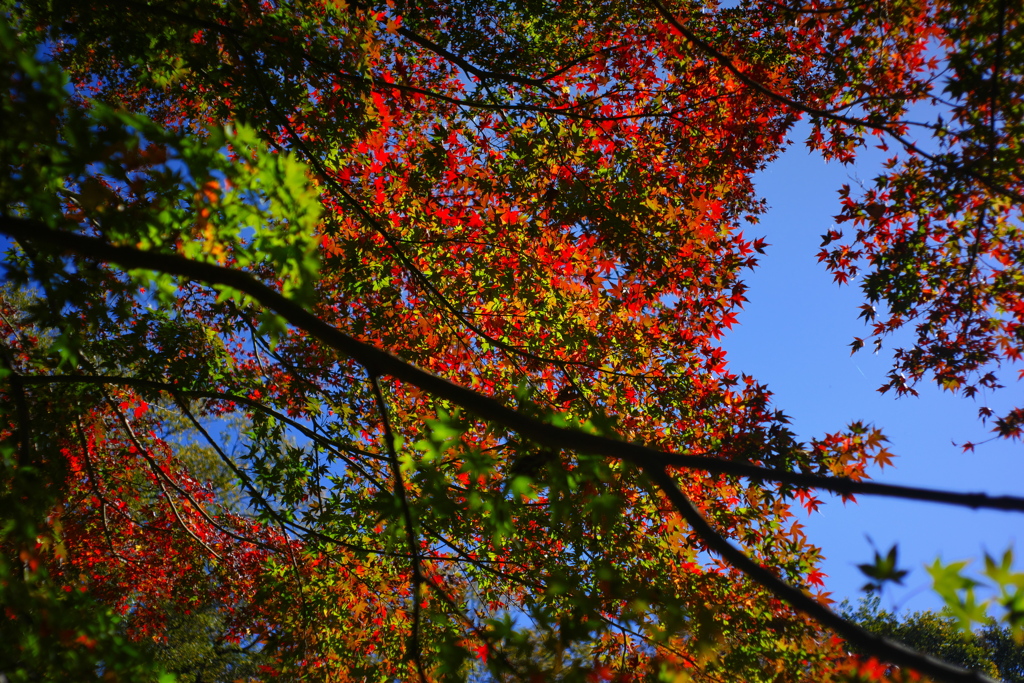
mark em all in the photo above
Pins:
pixel 882 571
pixel 497 435
pixel 195 648
pixel 991 650
pixel 960 592
pixel 52 632
pixel 217 198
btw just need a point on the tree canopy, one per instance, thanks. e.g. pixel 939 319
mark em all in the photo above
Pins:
pixel 381 341
pixel 991 650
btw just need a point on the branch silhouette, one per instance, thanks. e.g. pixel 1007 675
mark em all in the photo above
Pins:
pixel 653 463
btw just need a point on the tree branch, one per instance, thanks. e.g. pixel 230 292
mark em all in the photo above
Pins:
pixel 378 362
pixel 383 363
pixel 726 62
pixel 884 648
pixel 413 651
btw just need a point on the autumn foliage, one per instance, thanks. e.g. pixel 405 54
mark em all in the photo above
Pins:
pixel 390 334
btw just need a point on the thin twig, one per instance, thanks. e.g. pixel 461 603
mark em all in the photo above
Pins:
pixel 726 62
pixel 94 485
pixel 653 462
pixel 485 407
pixel 410 530
pixel 161 477
pixel 24 413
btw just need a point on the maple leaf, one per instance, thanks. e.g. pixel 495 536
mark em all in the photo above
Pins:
pixel 438 210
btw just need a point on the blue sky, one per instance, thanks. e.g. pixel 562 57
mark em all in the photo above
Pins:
pixel 794 335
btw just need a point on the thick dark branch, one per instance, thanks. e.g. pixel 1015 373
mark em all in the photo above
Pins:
pixel 413 651
pixel 883 648
pixel 378 362
pixel 485 407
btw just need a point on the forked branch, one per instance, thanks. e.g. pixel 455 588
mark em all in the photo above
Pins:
pixel 652 462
